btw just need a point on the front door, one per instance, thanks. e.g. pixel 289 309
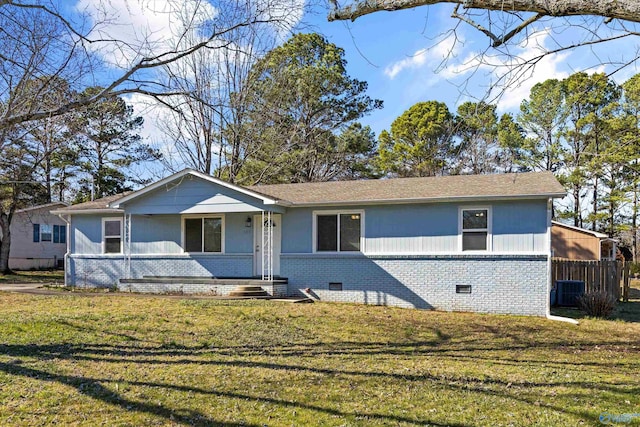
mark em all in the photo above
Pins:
pixel 260 256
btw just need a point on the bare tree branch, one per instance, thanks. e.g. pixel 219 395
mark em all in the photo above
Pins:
pixel 497 41
pixel 628 10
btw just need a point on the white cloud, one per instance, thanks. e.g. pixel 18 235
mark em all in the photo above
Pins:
pixel 506 77
pixel 433 57
pixel 129 30
pixel 416 60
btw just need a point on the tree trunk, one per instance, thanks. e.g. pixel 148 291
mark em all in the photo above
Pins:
pixel 634 224
pixel 5 243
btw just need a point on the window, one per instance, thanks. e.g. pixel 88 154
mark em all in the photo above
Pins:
pixel 45 233
pixel 475 229
pixel 112 235
pixel 59 234
pixel 203 234
pixel 338 232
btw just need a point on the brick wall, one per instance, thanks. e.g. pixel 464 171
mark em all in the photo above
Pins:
pixel 99 271
pixel 511 284
pixel 499 284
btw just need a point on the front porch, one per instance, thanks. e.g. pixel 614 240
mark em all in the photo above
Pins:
pixel 218 286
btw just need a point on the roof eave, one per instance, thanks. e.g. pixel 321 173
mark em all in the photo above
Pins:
pixel 87 211
pixel 430 200
pixel 46 205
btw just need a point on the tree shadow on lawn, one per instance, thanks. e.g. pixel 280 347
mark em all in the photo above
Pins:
pixel 95 388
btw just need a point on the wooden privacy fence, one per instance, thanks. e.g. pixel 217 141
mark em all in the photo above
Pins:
pixel 611 277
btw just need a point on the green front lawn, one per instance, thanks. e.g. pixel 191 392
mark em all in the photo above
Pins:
pixel 122 360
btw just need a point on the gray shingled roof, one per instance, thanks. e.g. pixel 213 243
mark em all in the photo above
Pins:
pixel 102 203
pixel 530 184
pixel 536 184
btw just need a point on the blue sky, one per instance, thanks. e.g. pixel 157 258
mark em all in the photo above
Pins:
pixel 402 55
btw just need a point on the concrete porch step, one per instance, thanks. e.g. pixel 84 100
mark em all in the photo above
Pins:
pixel 248 291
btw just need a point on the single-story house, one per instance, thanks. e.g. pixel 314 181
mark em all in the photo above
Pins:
pixel 575 243
pixel 38 238
pixel 467 243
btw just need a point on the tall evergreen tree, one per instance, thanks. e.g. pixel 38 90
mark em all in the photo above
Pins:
pixel 301 100
pixel 108 144
pixel 419 143
pixel 543 118
pixel 477 129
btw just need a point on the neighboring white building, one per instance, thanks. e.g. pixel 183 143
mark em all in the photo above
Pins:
pixel 38 238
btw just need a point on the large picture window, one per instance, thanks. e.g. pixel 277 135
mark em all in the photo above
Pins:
pixel 338 232
pixel 203 234
pixel 475 229
pixel 112 235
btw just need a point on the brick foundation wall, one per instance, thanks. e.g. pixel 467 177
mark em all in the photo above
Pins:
pixel 499 284
pixel 100 271
pixel 510 284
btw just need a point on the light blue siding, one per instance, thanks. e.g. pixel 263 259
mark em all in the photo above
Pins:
pixel 411 228
pixel 157 234
pixel 517 226
pixel 297 231
pixel 238 237
pixel 520 227
pixel 195 195
pixel 86 234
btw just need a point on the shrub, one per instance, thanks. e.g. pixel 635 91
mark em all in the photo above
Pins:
pixel 634 269
pixel 597 304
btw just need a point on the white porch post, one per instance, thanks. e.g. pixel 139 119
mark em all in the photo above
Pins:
pixel 127 246
pixel 267 245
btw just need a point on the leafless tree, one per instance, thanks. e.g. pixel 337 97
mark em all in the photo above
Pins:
pixel 41 42
pixel 205 122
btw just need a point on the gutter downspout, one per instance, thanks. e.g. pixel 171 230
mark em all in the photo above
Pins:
pixel 67 253
pixel 549 266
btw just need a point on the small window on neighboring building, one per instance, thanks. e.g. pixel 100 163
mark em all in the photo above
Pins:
pixel 475 229
pixel 338 232
pixel 45 232
pixel 112 235
pixel 203 234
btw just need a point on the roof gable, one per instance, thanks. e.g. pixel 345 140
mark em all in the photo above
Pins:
pixel 190 172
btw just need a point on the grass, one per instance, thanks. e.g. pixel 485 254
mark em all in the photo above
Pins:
pixel 127 361
pixel 36 276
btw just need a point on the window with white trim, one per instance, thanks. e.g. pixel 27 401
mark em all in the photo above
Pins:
pixel 203 234
pixel 475 229
pixel 338 231
pixel 112 235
